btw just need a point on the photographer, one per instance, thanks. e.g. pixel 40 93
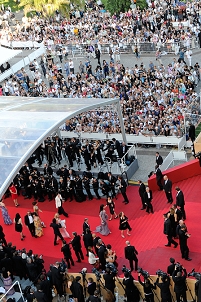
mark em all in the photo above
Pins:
pixel 77 290
pixel 131 290
pixel 147 287
pixel 94 297
pixel 179 277
pixel 164 287
pixel 109 280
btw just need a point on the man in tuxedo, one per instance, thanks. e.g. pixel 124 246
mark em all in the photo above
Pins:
pixel 159 159
pixel 29 222
pixel 148 200
pixel 171 267
pixel 56 226
pixel 180 201
pixel 95 241
pixel 67 254
pixel 167 187
pixel 131 254
pixel 142 190
pixel 101 255
pixel 76 244
pixel 159 177
pixel 122 188
pixel 47 170
pixel 183 237
pixel 88 240
pixel 57 278
pixel 85 226
pixel 168 231
pixel 122 150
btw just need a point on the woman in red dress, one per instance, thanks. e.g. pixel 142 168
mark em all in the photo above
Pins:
pixel 13 192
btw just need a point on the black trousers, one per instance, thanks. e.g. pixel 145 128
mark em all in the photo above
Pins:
pixel 69 261
pixel 97 194
pixel 31 227
pixel 131 264
pixel 184 252
pixel 79 255
pixel 169 197
pixel 55 237
pixel 159 184
pixel 62 211
pixel 125 196
pixel 170 240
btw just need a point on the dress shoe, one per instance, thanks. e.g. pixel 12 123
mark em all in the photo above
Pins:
pixel 176 245
pixel 188 259
pixel 56 244
pixel 78 260
pixel 126 202
pixel 167 245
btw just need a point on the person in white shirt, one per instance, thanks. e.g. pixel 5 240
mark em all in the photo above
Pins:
pixel 189 55
pixel 92 259
pixel 58 204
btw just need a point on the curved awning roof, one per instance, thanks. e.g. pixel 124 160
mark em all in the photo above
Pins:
pixel 26 122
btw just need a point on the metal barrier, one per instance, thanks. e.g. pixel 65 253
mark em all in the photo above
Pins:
pixel 131 139
pixel 20 296
pixel 171 157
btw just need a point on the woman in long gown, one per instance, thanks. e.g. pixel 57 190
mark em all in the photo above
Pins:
pixel 37 211
pixel 38 225
pixel 103 228
pixel 4 211
pixel 63 231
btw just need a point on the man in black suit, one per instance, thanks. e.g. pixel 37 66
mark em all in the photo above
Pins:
pixel 67 254
pixel 191 132
pixel 85 225
pixel 168 231
pixel 148 200
pixel 47 170
pixel 123 150
pixel 171 267
pixel 56 226
pixel 159 159
pixel 130 254
pixel 180 288
pixel 164 288
pixel 159 177
pixel 180 201
pixel 40 295
pixel 183 237
pixel 88 240
pixel 95 241
pixel 112 181
pixel 2 236
pixel 101 255
pixel 109 280
pixel 122 188
pixel 142 189
pixel 57 278
pixel 29 222
pixel 76 244
pixel 167 187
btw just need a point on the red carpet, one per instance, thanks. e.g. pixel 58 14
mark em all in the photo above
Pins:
pixel 147 234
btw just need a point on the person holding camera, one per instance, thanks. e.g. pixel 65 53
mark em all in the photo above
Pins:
pixel 179 277
pixel 109 280
pixel 164 287
pixel 131 290
pixel 94 298
pixel 147 287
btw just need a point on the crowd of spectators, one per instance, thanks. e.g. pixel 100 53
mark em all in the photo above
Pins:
pixel 154 98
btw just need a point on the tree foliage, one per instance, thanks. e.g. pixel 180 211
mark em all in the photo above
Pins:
pixel 116 6
pixel 141 4
pixel 48 7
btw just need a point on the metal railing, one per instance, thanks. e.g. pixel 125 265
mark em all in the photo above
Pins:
pixel 21 294
pixel 171 157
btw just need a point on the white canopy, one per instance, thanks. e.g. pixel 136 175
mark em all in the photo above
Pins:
pixel 6 54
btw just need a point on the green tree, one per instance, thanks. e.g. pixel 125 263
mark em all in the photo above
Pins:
pixel 48 7
pixel 141 4
pixel 116 6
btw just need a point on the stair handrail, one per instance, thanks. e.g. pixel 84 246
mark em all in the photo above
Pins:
pixel 16 282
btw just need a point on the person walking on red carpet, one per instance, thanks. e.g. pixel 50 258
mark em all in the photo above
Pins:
pixel 19 225
pixel 122 188
pixel 168 231
pixel 167 188
pixel 148 200
pixel 76 244
pixel 58 204
pixel 13 192
pixel 56 226
pixel 123 224
pixel 131 254
pixel 180 202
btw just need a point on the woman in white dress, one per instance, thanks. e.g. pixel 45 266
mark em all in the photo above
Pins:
pixel 63 231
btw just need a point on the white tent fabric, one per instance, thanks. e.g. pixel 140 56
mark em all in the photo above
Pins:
pixel 6 54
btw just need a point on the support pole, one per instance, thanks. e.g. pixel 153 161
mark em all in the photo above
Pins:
pixel 121 122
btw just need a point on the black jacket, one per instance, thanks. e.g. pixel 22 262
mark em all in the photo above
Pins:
pixel 167 186
pixel 130 252
pixel 55 227
pixel 179 282
pixel 167 227
pixel 180 199
pixel 76 243
pixel 165 288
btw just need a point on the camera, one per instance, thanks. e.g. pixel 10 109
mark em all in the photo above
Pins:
pixel 162 274
pixel 178 266
pixel 194 274
pixel 83 272
pixel 97 273
pixel 112 268
pixel 125 269
pixel 62 266
pixel 144 273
